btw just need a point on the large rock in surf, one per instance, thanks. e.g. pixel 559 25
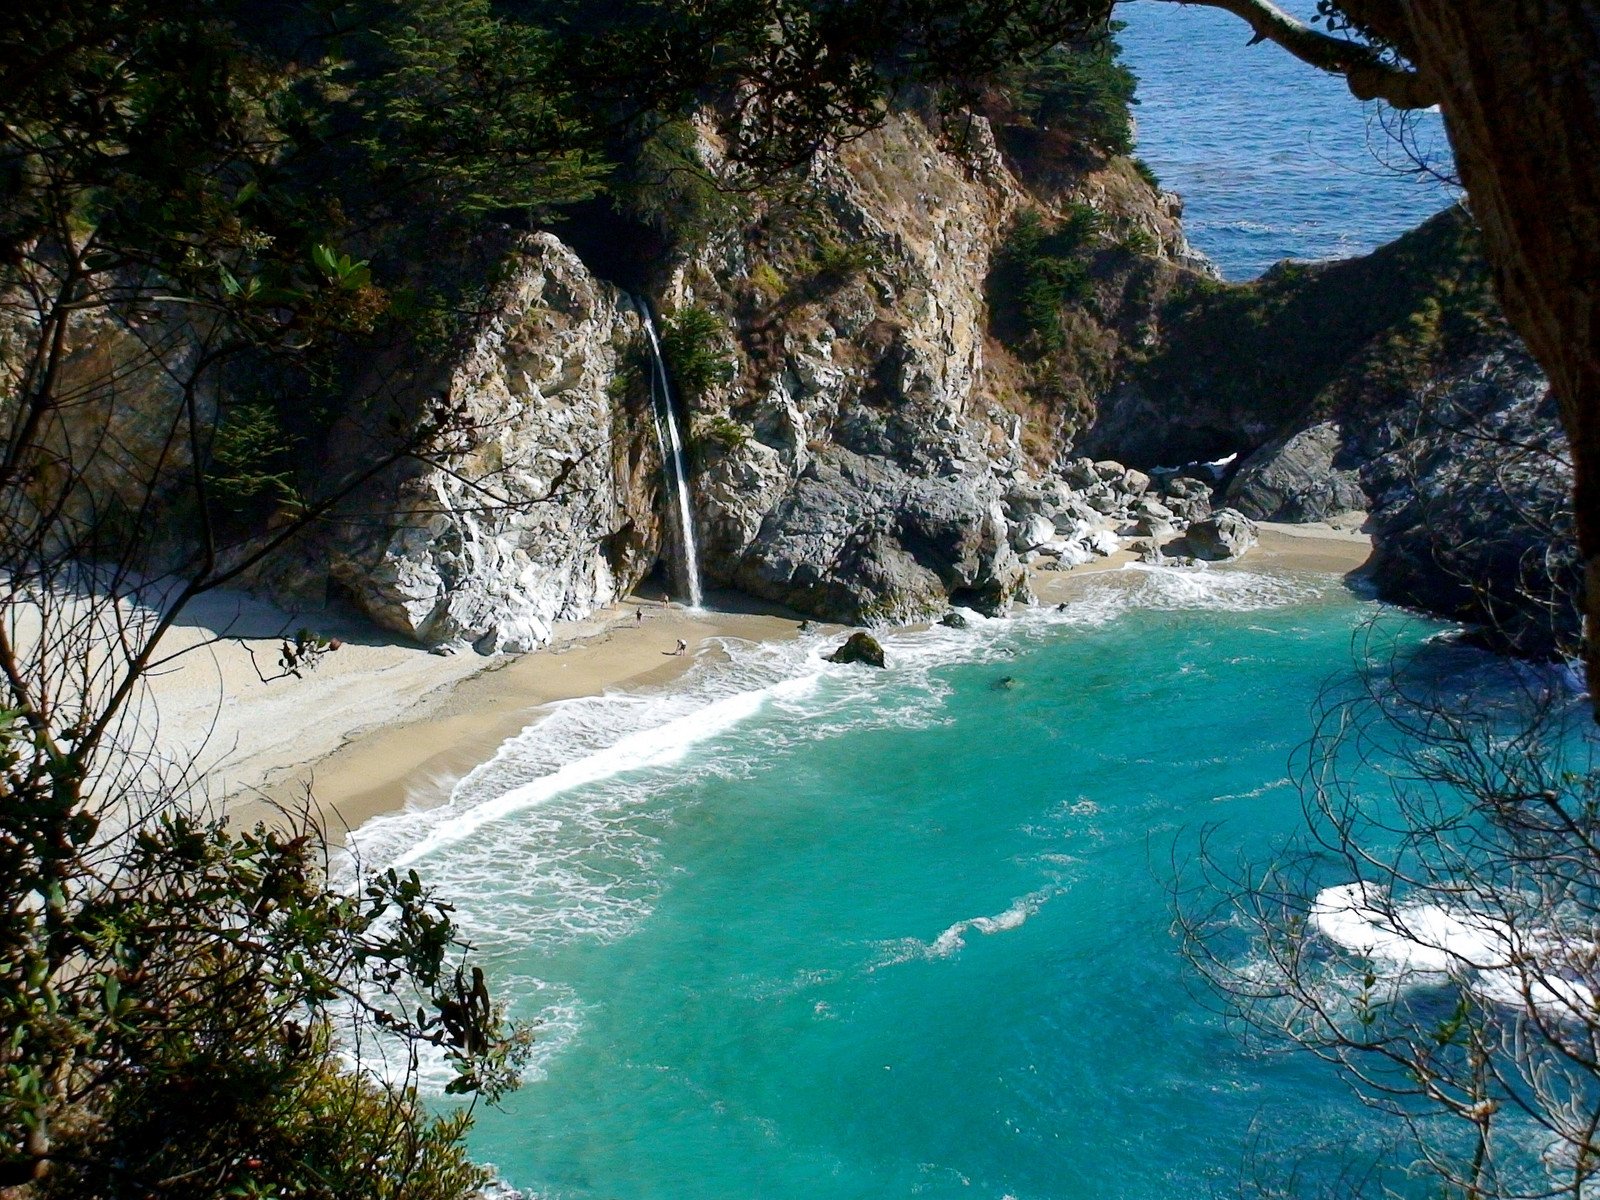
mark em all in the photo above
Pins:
pixel 1303 477
pixel 859 648
pixel 1226 534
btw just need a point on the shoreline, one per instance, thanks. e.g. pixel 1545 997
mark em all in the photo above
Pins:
pixel 378 752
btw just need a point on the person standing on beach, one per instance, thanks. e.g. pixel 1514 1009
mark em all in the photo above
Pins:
pixel 638 615
pixel 682 646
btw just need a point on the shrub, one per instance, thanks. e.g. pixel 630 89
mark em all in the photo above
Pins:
pixel 1080 88
pixel 1138 242
pixel 692 346
pixel 764 278
pixel 1042 268
pixel 722 431
pixel 250 469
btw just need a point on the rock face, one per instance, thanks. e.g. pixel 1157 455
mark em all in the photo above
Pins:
pixel 1226 534
pixel 860 648
pixel 1301 477
pixel 1389 384
pixel 854 539
pixel 572 522
pixel 865 455
pixel 1474 510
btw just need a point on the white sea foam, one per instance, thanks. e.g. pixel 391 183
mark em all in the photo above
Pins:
pixel 1412 940
pixel 953 938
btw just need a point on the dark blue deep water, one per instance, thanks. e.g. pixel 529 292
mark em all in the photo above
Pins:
pixel 1273 159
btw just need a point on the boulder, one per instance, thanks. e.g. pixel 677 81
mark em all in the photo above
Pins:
pixel 1298 478
pixel 1151 509
pixel 1109 470
pixel 1135 483
pixel 1153 528
pixel 859 648
pixel 1226 534
pixel 857 538
pixel 1190 508
pixel 1104 502
pixel 1032 532
pixel 1080 473
pixel 1186 487
pixel 954 620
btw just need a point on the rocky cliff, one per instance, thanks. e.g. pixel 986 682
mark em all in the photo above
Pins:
pixel 920 367
pixel 857 463
pixel 1387 384
pixel 856 444
pixel 550 509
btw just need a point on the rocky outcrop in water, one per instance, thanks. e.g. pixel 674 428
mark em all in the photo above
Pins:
pixel 860 648
pixel 1472 514
pixel 1388 384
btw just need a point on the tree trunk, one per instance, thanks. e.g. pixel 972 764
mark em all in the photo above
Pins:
pixel 1519 87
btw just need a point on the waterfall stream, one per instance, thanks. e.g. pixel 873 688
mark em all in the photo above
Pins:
pixel 672 458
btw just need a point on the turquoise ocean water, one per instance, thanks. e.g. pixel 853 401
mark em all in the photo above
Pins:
pixel 803 930
pixel 1273 159
pixel 794 930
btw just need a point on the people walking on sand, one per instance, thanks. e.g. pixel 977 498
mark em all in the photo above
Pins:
pixel 638 615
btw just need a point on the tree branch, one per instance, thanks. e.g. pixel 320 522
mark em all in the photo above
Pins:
pixel 1369 76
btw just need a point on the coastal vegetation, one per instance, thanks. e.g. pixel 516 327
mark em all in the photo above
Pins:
pixel 265 222
pixel 280 221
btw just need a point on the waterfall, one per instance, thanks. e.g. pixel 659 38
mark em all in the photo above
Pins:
pixel 673 464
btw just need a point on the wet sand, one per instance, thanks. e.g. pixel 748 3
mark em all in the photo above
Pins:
pixel 360 749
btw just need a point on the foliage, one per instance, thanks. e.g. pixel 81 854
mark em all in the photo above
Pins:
pixel 766 279
pixel 1147 173
pixel 795 76
pixel 249 462
pixel 837 262
pixel 1080 88
pixel 722 431
pixel 480 107
pixel 1138 243
pixel 1285 342
pixel 191 229
pixel 692 344
pixel 665 182
pixel 1041 268
pixel 194 1032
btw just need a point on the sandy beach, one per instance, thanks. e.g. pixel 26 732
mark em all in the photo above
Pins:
pixel 381 724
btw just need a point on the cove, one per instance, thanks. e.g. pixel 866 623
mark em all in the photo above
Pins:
pixel 844 933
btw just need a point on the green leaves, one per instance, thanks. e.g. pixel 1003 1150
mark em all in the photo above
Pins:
pixel 481 108
pixel 692 344
pixel 340 269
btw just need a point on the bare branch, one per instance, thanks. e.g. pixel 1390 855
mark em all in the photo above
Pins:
pixel 1369 76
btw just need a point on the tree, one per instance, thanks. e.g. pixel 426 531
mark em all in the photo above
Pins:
pixel 203 241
